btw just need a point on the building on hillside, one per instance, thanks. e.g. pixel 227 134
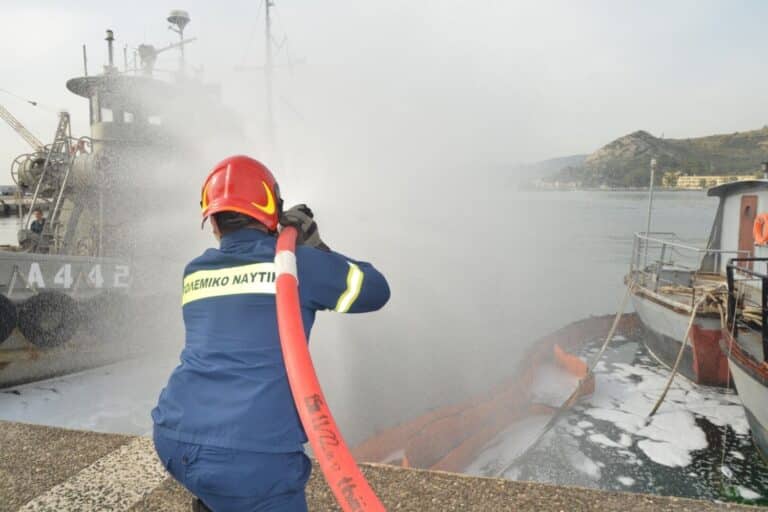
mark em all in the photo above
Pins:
pixel 701 182
pixel 669 179
pixel 556 185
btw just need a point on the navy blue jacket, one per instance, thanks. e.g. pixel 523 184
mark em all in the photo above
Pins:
pixel 231 388
pixel 37 226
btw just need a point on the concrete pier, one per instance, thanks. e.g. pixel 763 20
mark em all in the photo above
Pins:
pixel 52 469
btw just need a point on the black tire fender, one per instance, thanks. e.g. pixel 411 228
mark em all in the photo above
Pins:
pixel 9 317
pixel 49 319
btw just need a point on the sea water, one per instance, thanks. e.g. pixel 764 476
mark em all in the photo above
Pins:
pixel 9 227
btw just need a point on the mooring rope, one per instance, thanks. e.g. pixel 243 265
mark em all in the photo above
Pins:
pixel 714 300
pixel 612 331
pixel 739 297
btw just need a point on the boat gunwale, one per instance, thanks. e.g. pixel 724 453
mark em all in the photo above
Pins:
pixel 733 350
pixel 675 306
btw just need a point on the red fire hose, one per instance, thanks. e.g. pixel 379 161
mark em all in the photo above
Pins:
pixel 339 468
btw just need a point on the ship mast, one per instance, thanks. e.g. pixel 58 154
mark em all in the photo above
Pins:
pixel 178 20
pixel 268 68
pixel 650 209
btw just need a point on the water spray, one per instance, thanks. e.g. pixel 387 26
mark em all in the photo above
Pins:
pixel 349 486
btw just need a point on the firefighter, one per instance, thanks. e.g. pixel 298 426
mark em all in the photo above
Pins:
pixel 225 425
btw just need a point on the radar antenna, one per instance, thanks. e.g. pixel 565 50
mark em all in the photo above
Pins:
pixel 178 20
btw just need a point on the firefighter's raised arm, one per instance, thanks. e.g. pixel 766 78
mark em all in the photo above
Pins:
pixel 329 280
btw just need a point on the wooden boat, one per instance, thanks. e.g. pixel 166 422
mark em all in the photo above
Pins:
pixel 673 283
pixel 451 437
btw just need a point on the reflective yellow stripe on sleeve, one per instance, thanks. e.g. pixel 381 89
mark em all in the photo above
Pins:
pixel 254 278
pixel 354 284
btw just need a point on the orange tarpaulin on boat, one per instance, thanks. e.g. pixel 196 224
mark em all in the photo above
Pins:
pixel 576 367
pixel 573 364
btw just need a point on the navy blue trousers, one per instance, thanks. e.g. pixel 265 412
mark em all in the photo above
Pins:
pixel 235 480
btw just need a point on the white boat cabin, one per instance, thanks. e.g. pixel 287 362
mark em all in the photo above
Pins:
pixel 741 202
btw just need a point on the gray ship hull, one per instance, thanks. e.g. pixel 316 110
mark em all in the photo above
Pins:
pixel 20 363
pixel 139 327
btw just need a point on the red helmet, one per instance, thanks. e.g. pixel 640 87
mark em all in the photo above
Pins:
pixel 244 185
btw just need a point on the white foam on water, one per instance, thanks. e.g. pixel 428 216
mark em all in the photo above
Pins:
pixel 625 394
pixel 630 456
pixel 665 453
pixel 602 439
pixel 624 420
pixel 671 438
pixel 747 493
pixel 737 455
pixel 722 414
pixel 584 464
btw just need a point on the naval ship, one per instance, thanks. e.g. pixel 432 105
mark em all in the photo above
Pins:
pixel 69 295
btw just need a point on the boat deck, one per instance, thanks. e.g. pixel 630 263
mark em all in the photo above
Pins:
pixel 683 297
pixel 51 469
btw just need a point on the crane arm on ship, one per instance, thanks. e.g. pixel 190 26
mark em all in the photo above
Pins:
pixel 20 129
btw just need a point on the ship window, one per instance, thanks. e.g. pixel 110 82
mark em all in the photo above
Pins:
pixel 106 115
pixel 128 117
pixel 154 120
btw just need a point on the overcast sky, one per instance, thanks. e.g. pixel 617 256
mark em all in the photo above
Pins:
pixel 489 82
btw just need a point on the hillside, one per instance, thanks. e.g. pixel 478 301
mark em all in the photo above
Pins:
pixel 525 174
pixel 625 161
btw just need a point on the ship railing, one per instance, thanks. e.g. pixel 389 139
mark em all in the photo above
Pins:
pixel 663 261
pixel 748 299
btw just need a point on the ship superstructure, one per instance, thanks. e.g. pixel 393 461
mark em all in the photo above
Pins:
pixel 56 285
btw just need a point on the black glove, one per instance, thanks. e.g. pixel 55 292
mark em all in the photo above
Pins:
pixel 301 217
